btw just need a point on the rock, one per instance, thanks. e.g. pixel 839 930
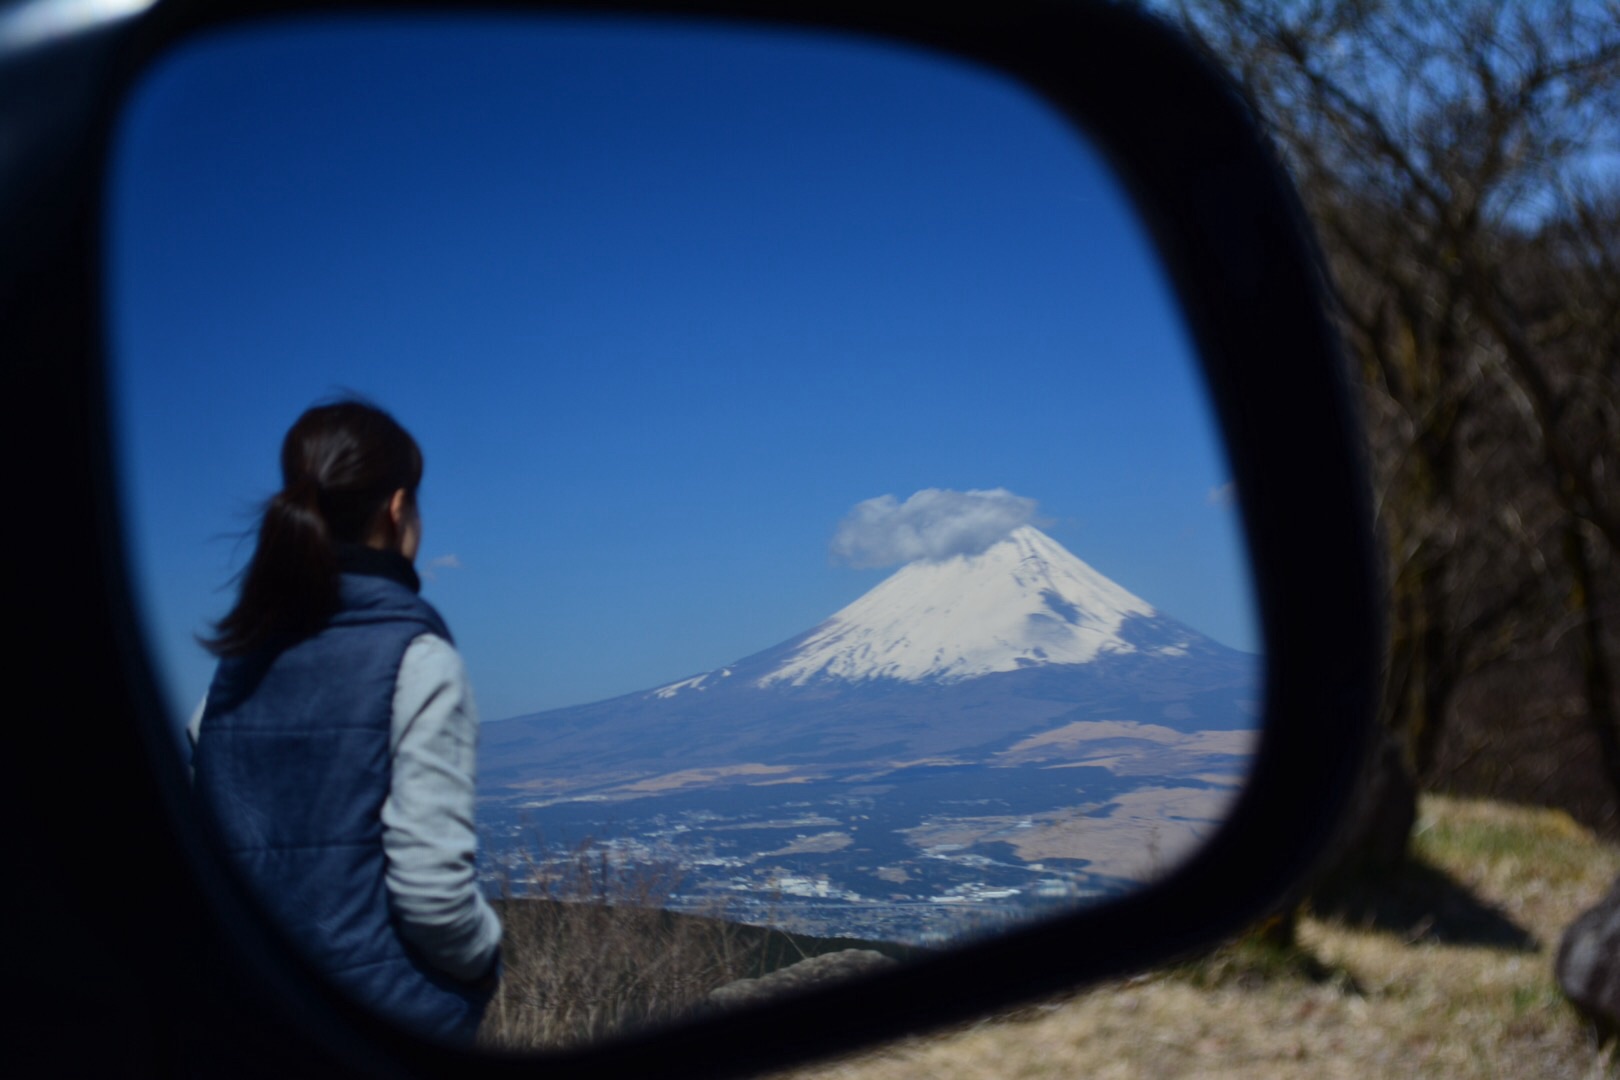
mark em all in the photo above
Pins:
pixel 814 971
pixel 1588 964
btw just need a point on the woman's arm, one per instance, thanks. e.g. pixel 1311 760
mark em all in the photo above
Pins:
pixel 428 832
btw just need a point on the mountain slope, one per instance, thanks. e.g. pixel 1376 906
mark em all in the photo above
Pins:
pixel 959 660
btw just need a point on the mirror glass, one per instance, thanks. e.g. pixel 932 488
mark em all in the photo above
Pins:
pixel 819 483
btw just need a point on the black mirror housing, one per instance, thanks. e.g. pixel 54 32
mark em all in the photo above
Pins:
pixel 128 929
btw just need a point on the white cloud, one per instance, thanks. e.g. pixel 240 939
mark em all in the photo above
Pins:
pixel 934 523
pixel 441 562
pixel 1222 494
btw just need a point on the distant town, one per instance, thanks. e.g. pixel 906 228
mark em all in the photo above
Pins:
pixel 926 859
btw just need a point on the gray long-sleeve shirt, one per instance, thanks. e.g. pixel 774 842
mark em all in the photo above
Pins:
pixel 429 839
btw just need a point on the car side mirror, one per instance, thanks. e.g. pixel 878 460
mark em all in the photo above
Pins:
pixel 191 947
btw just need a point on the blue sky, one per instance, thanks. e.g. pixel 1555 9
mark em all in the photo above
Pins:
pixel 661 305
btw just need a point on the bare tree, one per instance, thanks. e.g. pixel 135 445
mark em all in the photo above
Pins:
pixel 1458 162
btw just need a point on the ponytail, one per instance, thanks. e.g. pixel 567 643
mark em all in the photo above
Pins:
pixel 340 464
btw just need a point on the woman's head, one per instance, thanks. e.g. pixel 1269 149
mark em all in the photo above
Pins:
pixel 345 462
pixel 349 474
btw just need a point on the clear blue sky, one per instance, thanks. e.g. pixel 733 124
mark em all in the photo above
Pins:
pixel 660 305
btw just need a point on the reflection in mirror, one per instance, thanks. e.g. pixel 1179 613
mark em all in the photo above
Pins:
pixel 819 484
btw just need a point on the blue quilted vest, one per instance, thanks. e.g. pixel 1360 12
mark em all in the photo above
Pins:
pixel 291 768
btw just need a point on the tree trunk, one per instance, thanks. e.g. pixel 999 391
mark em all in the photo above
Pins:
pixel 1596 679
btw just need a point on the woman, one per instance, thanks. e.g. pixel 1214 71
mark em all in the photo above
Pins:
pixel 334 753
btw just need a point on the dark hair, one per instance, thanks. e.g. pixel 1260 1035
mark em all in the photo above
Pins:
pixel 340 464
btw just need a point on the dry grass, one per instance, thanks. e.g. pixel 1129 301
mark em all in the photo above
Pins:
pixel 589 952
pixel 1444 973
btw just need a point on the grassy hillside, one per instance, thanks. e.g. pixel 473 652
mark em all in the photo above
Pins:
pixel 1445 972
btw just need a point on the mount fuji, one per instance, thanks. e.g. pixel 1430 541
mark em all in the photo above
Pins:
pixel 1014 655
pixel 1008 730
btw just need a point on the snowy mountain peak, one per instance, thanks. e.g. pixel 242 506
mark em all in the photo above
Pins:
pixel 1024 601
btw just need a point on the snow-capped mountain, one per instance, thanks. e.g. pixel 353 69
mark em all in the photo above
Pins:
pixel 1001 728
pixel 963 659
pixel 1024 601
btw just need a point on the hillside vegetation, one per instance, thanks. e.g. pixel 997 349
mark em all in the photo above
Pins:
pixel 595 955
pixel 1445 971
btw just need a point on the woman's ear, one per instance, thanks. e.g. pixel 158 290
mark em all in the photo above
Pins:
pixel 398 506
pixel 389 526
pixel 405 524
